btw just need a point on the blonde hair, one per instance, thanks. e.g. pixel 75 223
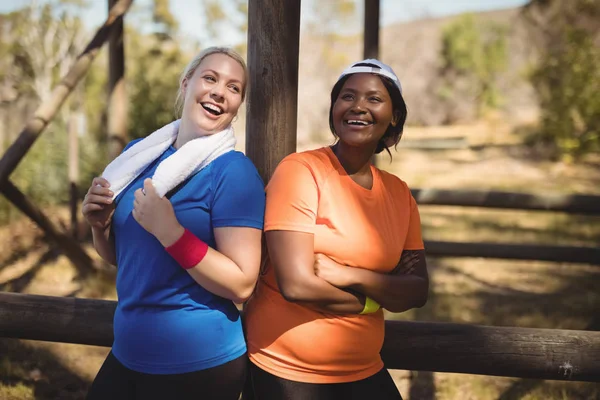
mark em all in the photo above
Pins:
pixel 196 61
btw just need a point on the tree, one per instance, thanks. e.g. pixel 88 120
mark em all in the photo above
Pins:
pixel 567 79
pixel 473 55
pixel 155 61
pixel 43 41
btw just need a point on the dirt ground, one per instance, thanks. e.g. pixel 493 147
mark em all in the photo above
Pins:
pixel 465 290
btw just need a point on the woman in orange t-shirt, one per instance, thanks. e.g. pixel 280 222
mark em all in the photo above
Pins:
pixel 344 241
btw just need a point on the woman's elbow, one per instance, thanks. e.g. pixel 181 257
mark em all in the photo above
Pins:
pixel 290 293
pixel 243 293
pixel 293 292
pixel 421 301
pixel 417 301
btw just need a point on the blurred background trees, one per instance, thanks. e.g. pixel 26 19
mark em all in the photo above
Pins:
pixel 454 70
pixel 567 78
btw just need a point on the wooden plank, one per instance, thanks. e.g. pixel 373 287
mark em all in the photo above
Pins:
pixel 576 204
pixel 117 98
pixel 56 319
pixel 73 128
pixel 499 351
pixel 371 29
pixel 568 254
pixel 422 346
pixel 70 248
pixel 48 109
pixel 273 46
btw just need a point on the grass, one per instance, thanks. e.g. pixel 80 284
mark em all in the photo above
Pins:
pixel 464 290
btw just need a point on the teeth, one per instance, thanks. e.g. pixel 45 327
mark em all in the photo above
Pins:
pixel 212 107
pixel 357 122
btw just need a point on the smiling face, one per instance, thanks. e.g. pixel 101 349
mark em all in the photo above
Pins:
pixel 362 111
pixel 213 93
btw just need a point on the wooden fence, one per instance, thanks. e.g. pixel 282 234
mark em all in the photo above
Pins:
pixel 572 204
pixel 421 346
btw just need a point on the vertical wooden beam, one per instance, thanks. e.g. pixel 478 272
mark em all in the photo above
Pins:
pixel 371 37
pixel 371 29
pixel 117 101
pixel 73 170
pixel 273 46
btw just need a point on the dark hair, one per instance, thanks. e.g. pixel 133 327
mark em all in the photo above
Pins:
pixel 398 107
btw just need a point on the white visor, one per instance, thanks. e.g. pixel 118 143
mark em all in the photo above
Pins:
pixel 381 69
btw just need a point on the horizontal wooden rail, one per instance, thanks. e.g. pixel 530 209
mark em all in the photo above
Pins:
pixel 421 346
pixel 487 350
pixel 568 254
pixel 576 204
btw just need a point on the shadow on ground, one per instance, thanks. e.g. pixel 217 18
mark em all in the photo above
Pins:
pixel 34 373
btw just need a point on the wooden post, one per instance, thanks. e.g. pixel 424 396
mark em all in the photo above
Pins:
pixel 48 109
pixel 73 170
pixel 117 101
pixel 371 29
pixel 273 47
pixel 371 37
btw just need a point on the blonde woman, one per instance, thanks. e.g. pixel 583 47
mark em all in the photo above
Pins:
pixel 180 214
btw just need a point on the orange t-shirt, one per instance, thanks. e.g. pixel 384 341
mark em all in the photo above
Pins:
pixel 311 192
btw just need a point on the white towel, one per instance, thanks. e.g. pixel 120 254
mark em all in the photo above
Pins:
pixel 187 160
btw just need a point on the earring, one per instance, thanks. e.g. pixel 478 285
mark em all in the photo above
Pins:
pixel 235 118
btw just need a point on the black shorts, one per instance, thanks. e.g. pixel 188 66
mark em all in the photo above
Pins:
pixel 265 386
pixel 117 382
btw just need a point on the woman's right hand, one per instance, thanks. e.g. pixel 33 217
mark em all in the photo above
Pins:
pixel 98 206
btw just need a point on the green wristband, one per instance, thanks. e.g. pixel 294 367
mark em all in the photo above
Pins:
pixel 371 306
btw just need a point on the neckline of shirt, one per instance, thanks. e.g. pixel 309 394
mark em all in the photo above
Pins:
pixel 338 166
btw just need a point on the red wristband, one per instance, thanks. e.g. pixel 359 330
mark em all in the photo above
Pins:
pixel 188 250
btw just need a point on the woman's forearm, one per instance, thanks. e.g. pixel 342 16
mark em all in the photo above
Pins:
pixel 221 276
pixel 396 293
pixel 231 270
pixel 103 244
pixel 316 293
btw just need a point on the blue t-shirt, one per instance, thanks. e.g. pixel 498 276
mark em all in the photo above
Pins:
pixel 165 322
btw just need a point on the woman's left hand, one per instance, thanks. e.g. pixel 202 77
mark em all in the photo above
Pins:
pixel 336 274
pixel 156 214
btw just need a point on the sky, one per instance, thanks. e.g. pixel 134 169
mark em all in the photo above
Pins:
pixel 189 12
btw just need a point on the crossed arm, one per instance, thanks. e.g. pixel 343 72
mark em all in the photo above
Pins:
pixel 322 283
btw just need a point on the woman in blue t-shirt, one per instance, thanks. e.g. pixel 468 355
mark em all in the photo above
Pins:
pixel 180 214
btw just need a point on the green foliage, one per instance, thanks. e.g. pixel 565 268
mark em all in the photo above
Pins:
pixel 475 53
pixel 153 82
pixel 567 79
pixel 43 174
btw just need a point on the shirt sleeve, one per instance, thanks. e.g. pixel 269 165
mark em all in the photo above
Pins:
pixel 239 196
pixel 414 240
pixel 292 198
